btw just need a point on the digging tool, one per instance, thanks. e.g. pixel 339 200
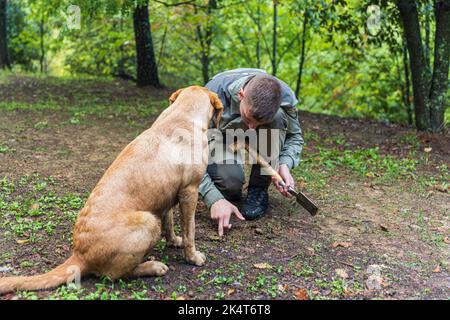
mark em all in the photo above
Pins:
pixel 301 198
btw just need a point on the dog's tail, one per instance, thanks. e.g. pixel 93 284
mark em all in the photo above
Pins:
pixel 72 269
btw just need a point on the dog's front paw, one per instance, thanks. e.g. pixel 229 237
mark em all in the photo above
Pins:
pixel 196 258
pixel 159 268
pixel 176 242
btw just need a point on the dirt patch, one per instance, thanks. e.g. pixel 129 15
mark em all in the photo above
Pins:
pixel 400 228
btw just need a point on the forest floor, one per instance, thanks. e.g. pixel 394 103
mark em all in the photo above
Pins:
pixel 383 231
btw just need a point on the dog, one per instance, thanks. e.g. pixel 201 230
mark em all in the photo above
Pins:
pixel 132 204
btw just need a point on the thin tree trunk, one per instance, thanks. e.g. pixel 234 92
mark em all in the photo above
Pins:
pixel 147 71
pixel 258 42
pixel 439 82
pixel 4 54
pixel 204 36
pixel 302 54
pixel 427 35
pixel 420 72
pixel 274 42
pixel 407 90
pixel 204 59
pixel 42 46
pixel 163 42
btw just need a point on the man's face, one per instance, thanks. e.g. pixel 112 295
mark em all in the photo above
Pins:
pixel 246 114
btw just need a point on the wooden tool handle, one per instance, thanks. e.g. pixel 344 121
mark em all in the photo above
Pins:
pixel 259 160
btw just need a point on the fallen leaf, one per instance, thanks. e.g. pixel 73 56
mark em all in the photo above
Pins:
pixel 428 150
pixel 374 282
pixel 342 244
pixel 263 265
pixel 34 206
pixel 22 241
pixel 301 294
pixel 311 251
pixel 437 269
pixel 259 231
pixel 231 291
pixel 341 273
pixel 282 288
pixel 441 188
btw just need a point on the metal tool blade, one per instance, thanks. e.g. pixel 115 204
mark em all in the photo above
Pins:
pixel 304 201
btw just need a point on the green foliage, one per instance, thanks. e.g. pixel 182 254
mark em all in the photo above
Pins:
pixel 348 69
pixel 88 53
pixel 368 162
pixel 22 51
pixel 31 209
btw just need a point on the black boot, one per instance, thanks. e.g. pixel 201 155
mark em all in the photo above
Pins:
pixel 256 203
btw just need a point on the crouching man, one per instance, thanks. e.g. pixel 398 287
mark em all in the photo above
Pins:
pixel 252 99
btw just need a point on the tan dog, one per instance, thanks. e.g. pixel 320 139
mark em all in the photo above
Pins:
pixel 121 220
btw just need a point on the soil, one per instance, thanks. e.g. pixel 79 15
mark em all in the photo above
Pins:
pixel 398 228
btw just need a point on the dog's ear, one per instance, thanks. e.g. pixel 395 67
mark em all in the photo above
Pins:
pixel 174 96
pixel 218 107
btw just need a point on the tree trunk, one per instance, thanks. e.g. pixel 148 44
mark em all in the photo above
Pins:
pixel 205 39
pixel 427 35
pixel 205 36
pixel 302 54
pixel 420 72
pixel 147 71
pixel 407 92
pixel 41 34
pixel 439 82
pixel 258 42
pixel 274 42
pixel 4 54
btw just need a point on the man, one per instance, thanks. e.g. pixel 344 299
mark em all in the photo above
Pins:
pixel 252 99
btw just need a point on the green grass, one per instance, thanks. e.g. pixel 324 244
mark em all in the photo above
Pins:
pixel 411 139
pixel 104 290
pixel 319 165
pixel 31 209
pixel 5 149
pixel 81 111
pixel 82 100
pixel 368 162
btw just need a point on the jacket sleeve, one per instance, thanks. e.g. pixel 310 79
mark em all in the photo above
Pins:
pixel 292 148
pixel 208 191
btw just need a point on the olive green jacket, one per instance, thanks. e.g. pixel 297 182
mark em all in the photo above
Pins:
pixel 227 85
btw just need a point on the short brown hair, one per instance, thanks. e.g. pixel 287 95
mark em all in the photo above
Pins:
pixel 263 96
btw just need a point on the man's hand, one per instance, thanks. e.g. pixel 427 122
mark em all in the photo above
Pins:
pixel 288 180
pixel 221 212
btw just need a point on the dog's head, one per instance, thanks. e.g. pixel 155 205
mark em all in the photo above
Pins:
pixel 216 104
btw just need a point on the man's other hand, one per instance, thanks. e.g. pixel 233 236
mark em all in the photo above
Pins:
pixel 221 212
